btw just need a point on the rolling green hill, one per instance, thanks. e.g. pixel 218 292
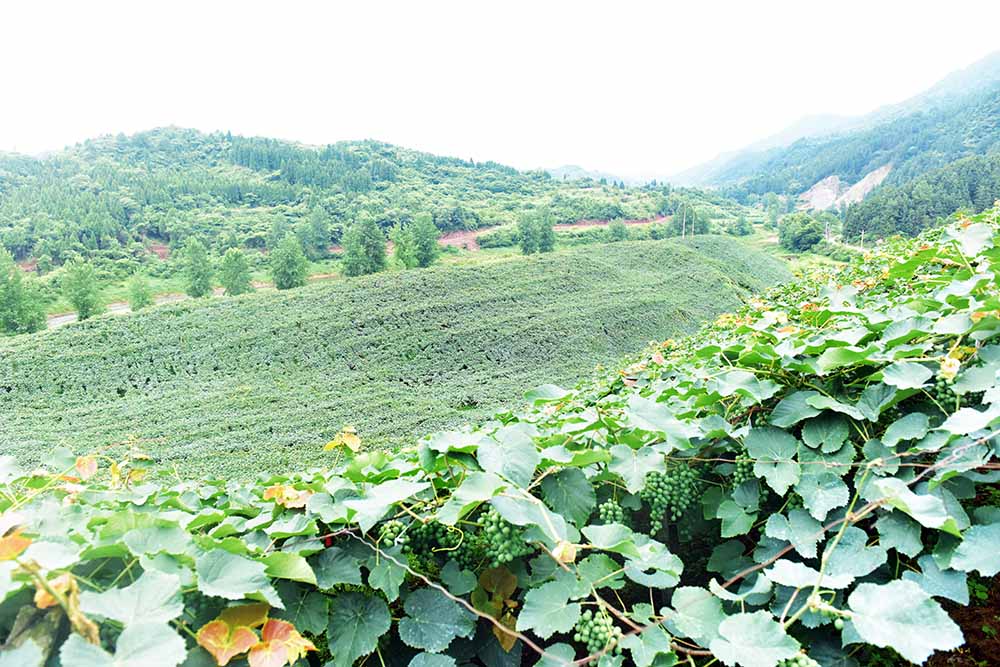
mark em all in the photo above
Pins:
pixel 111 195
pixel 239 385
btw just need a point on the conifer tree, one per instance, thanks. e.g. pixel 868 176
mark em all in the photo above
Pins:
pixel 364 247
pixel 234 272
pixel 289 265
pixel 139 295
pixel 425 239
pixel 79 285
pixel 197 269
pixel 404 245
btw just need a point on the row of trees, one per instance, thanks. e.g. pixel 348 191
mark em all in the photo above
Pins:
pixel 22 307
pixel 288 265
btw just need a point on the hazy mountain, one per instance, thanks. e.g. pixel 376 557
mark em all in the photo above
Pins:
pixel 813 139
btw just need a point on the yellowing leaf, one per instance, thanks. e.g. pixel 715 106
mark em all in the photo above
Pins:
pixel 13 545
pixel 251 615
pixel 287 496
pixel 348 437
pixel 61 584
pixel 283 632
pixel 225 643
pixel 505 639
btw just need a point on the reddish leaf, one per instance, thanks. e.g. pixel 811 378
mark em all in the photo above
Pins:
pixel 284 633
pixel 225 643
pixel 277 631
pixel 269 654
pixel 86 466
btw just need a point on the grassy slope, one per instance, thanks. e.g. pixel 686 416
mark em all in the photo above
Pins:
pixel 239 385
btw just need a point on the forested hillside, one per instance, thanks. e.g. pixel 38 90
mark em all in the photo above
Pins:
pixel 971 184
pixel 253 382
pixel 912 145
pixel 116 194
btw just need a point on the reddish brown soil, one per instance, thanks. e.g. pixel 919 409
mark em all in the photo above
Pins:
pixel 160 250
pixel 28 265
pixel 980 623
pixel 467 239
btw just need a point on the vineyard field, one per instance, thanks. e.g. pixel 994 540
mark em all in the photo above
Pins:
pixel 236 386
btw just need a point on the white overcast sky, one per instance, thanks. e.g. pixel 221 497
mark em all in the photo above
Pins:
pixel 628 87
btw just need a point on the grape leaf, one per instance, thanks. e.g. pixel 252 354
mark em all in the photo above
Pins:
pixel 571 492
pixel 547 610
pixel 753 640
pixel 233 577
pixel 634 464
pixel 139 645
pixel 433 621
pixel 154 597
pixel 902 616
pixel 355 625
pixel 979 550
pixel 940 583
pixel 696 614
pixel 774 453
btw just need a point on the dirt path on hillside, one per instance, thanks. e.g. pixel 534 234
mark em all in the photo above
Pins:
pixel 466 239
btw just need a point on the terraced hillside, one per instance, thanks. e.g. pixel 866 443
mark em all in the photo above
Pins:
pixel 240 385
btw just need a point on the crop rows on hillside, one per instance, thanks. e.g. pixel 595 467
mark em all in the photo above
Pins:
pixel 254 382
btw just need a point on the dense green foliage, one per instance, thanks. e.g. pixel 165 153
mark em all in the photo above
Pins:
pixel 364 248
pixel 799 232
pixel 821 494
pixel 289 264
pixel 79 284
pixel 536 234
pixel 426 248
pixel 234 270
pixel 20 303
pixel 110 196
pixel 913 144
pixel 251 384
pixel 197 269
pixel 139 296
pixel 971 184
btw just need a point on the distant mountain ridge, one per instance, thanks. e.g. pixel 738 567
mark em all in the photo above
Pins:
pixel 853 148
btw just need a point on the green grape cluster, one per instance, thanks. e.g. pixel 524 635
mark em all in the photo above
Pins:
pixel 504 541
pixel 669 494
pixel 392 532
pixel 598 632
pixel 801 660
pixel 611 512
pixel 425 537
pixel 743 469
pixel 942 392
pixel 838 622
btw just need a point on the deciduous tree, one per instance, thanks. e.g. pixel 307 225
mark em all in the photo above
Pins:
pixel 79 284
pixel 197 269
pixel 234 272
pixel 289 264
pixel 364 247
